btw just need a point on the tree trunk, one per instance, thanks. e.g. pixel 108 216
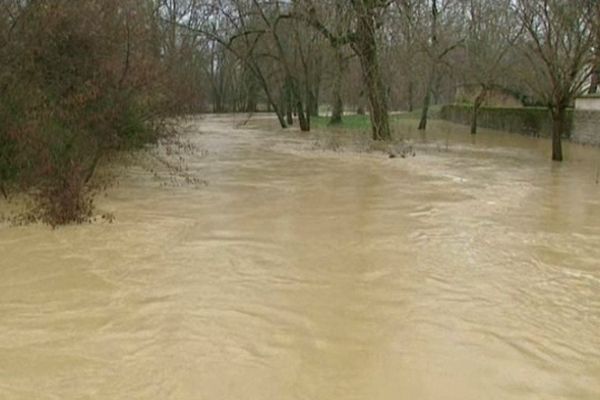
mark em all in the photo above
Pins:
pixel 432 76
pixel 295 95
pixel 558 125
pixel 303 117
pixel 289 104
pixel 279 109
pixel 425 109
pixel 217 101
pixel 280 116
pixel 271 105
pixel 476 106
pixel 3 191
pixel 366 49
pixel 595 81
pixel 427 99
pixel 338 111
pixel 338 103
pixel 251 103
pixel 474 113
pixel 313 104
pixel 410 96
pixel 360 109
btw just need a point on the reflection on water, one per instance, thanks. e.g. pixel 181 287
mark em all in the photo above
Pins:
pixel 467 272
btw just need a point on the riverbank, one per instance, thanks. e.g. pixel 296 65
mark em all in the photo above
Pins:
pixel 441 136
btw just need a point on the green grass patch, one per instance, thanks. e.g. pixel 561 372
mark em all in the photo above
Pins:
pixel 354 121
pixel 362 122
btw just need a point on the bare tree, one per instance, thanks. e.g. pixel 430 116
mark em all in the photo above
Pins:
pixel 79 83
pixel 365 46
pixel 560 40
pixel 333 19
pixel 441 22
pixel 366 17
pixel 493 30
pixel 239 27
pixel 408 14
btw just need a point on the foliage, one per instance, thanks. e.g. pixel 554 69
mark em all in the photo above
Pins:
pixel 79 83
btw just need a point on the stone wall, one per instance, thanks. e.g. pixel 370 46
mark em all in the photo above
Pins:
pixel 583 124
pixel 586 127
pixel 466 94
pixel 588 103
pixel 530 121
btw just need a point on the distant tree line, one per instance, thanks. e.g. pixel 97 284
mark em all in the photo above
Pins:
pixel 295 55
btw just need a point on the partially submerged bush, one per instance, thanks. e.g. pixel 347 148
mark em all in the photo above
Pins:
pixel 78 82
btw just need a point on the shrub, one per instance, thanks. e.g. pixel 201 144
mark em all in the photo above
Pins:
pixel 79 81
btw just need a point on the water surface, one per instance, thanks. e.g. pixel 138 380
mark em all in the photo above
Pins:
pixel 471 271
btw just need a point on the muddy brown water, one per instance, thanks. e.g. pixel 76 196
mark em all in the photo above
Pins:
pixel 471 271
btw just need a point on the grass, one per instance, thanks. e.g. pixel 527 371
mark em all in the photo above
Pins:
pixel 355 121
pixel 362 122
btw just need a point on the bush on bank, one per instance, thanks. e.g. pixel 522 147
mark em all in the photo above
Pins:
pixel 79 81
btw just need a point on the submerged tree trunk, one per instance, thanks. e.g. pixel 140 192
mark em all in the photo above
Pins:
pixel 559 114
pixel 3 191
pixel 474 114
pixel 303 117
pixel 271 105
pixel 476 106
pixel 280 116
pixel 251 104
pixel 296 97
pixel 366 49
pixel 425 109
pixel 288 100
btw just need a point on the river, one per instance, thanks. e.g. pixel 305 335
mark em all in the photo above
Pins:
pixel 471 271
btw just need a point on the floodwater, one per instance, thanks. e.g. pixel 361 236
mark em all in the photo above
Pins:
pixel 471 271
